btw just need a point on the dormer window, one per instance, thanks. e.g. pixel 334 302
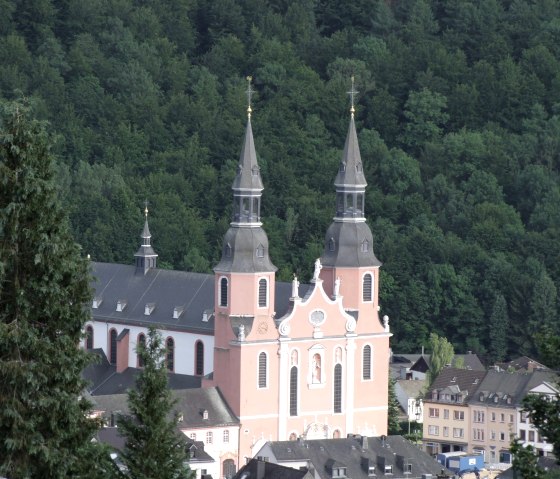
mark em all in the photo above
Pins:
pixel 205 414
pixel 388 469
pixel 121 304
pixel 178 311
pixel 339 472
pixel 255 171
pixel 331 244
pixel 342 167
pixel 371 471
pixel 97 302
pixel 149 308
pixel 359 167
pixel 365 246
pixel 260 251
pixel 228 250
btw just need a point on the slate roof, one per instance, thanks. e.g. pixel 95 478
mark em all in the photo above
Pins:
pixel 501 389
pixel 248 173
pixel 355 453
pixel 547 463
pixel 465 381
pixel 112 437
pixel 103 378
pixel 522 364
pixel 193 292
pixel 352 173
pixel 412 387
pixel 256 469
pixel 190 404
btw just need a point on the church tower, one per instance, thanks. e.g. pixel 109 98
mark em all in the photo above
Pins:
pixel 349 263
pixel 145 258
pixel 244 286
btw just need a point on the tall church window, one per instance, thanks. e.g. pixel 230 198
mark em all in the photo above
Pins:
pixel 89 337
pixel 199 358
pixel 170 355
pixel 366 362
pixel 337 398
pixel 141 343
pixel 223 292
pixel 113 346
pixel 263 293
pixel 262 371
pixel 367 288
pixel 293 391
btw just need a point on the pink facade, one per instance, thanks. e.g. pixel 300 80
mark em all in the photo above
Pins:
pixel 320 370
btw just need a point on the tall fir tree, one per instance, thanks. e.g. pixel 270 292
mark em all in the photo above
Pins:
pixel 153 446
pixel 393 424
pixel 45 428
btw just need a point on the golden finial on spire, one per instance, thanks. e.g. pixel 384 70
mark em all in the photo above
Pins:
pixel 249 92
pixel 146 209
pixel 352 94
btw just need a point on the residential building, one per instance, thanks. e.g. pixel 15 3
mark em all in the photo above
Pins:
pixel 446 425
pixel 480 412
pixel 256 469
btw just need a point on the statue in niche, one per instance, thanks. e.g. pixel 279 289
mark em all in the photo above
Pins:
pixel 241 333
pixel 337 286
pixel 318 268
pixel 295 287
pixel 316 368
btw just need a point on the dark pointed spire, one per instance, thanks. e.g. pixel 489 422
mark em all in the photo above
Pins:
pixel 245 247
pixel 349 241
pixel 145 257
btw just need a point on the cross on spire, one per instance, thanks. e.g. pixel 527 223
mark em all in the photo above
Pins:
pixel 146 208
pixel 249 92
pixel 352 94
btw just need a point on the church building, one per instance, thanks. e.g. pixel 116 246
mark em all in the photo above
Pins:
pixel 290 360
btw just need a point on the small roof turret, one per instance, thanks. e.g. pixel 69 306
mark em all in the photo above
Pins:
pixel 145 257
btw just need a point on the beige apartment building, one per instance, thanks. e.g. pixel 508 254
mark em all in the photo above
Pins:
pixel 480 412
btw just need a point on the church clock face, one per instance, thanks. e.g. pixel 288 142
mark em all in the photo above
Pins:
pixel 262 327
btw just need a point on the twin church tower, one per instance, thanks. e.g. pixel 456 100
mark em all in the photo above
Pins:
pixel 297 360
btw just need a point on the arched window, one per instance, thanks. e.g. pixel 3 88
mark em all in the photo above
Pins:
pixel 113 346
pixel 366 362
pixel 89 337
pixel 367 288
pixel 229 468
pixel 262 371
pixel 293 391
pixel 336 434
pixel 199 358
pixel 170 356
pixel 223 292
pixel 141 343
pixel 263 293
pixel 337 399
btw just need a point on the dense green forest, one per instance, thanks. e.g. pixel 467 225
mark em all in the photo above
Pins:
pixel 458 120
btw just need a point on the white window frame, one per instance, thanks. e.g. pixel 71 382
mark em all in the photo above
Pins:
pixel 370 273
pixel 259 292
pixel 259 387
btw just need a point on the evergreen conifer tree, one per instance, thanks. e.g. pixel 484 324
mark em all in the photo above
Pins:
pixel 45 429
pixel 153 446
pixel 393 425
pixel 498 328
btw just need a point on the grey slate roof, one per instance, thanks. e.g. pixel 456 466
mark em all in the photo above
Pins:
pixel 348 238
pixel 522 364
pixel 256 469
pixel 248 174
pixel 242 256
pixel 193 292
pixel 466 380
pixel 103 379
pixel 357 452
pixel 501 389
pixel 190 404
pixel 351 172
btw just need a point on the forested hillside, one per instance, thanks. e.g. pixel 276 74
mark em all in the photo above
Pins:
pixel 458 120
